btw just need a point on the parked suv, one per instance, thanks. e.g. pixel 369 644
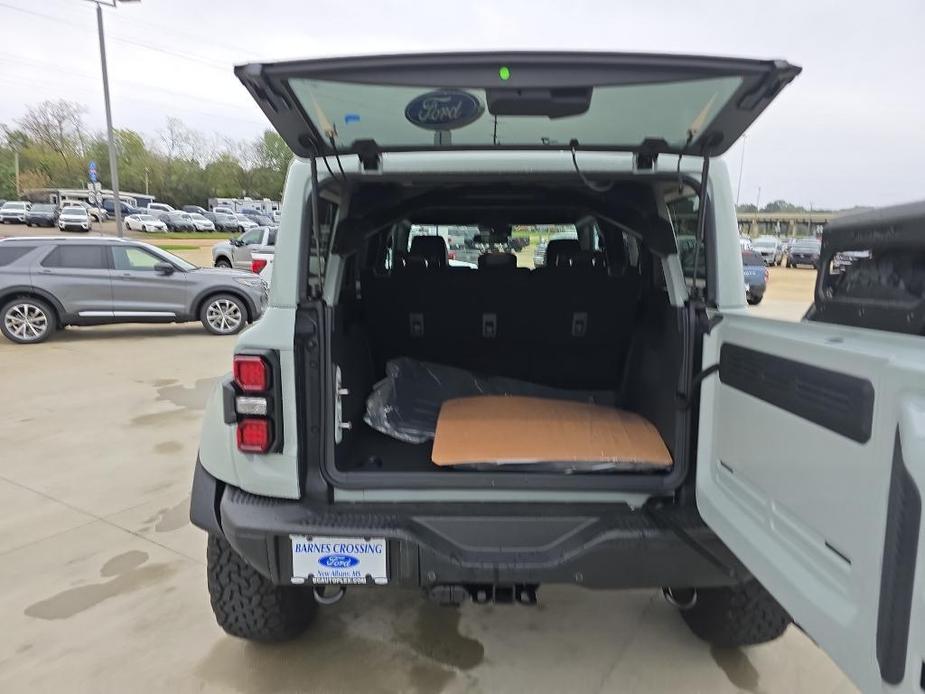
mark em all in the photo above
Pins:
pixel 325 461
pixel 52 282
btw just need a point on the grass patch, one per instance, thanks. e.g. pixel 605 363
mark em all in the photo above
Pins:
pixel 174 247
pixel 191 235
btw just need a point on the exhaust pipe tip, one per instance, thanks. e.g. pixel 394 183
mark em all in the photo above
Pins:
pixel 321 597
pixel 683 599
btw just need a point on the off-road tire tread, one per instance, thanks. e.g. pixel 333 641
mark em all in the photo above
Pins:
pixel 248 605
pixel 734 616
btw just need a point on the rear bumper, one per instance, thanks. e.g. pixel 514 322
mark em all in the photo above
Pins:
pixel 593 545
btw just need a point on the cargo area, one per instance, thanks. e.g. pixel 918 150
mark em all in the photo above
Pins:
pixel 586 319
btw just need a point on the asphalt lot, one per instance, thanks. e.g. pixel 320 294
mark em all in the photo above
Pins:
pixel 102 578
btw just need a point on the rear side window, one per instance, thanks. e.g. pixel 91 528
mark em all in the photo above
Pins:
pixel 77 257
pixel 271 238
pixel 10 253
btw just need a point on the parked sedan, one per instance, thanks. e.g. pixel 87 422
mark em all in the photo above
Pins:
pixel 76 218
pixel 245 222
pixel 200 222
pixel 224 222
pixel 144 222
pixel 804 252
pixel 756 276
pixel 195 209
pixel 42 215
pixel 179 221
pixel 14 211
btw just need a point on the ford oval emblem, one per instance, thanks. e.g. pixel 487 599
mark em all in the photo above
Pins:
pixel 338 561
pixel 444 109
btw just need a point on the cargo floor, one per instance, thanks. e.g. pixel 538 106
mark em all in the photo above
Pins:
pixel 371 451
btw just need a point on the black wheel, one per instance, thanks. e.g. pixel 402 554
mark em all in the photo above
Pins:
pixel 27 320
pixel 248 605
pixel 223 262
pixel 741 615
pixel 223 314
pixel 755 300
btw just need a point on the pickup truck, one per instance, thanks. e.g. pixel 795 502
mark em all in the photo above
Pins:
pixel 237 252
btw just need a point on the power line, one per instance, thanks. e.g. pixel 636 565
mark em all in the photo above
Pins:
pixel 186 56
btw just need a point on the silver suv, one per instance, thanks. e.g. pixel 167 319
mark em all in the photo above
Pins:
pixel 52 282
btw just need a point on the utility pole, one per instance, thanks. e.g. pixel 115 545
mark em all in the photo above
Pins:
pixel 113 164
pixel 757 210
pixel 146 180
pixel 16 168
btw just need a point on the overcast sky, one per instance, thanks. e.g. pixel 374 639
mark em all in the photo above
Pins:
pixel 847 131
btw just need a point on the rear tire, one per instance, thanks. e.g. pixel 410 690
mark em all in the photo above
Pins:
pixel 223 263
pixel 27 321
pixel 754 300
pixel 734 616
pixel 248 605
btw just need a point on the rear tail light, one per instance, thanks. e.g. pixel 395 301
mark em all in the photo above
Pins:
pixel 451 255
pixel 254 435
pixel 251 373
pixel 258 264
pixel 767 274
pixel 252 402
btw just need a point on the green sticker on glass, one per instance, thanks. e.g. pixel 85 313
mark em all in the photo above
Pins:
pixel 504 72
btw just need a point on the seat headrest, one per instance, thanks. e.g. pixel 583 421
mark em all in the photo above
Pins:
pixel 494 261
pixel 559 252
pixel 432 249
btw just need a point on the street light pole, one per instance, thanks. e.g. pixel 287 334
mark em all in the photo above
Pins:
pixel 113 164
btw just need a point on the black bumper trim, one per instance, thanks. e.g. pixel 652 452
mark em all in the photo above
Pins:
pixel 204 501
pixel 594 545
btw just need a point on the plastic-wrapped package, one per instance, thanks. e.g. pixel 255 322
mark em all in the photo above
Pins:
pixel 406 403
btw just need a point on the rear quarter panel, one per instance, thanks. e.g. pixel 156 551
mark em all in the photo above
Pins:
pixel 274 474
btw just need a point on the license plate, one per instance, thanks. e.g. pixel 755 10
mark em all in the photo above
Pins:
pixel 326 560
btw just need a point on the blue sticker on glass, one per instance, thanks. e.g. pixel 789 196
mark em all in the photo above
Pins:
pixel 444 109
pixel 351 118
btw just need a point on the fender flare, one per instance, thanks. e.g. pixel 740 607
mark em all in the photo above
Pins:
pixel 212 291
pixel 26 289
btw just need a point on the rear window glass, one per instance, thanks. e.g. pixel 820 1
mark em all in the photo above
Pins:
pixel 750 258
pixel 10 253
pixel 77 257
pixel 895 275
pixel 403 116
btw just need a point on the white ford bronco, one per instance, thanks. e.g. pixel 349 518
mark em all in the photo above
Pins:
pixel 317 466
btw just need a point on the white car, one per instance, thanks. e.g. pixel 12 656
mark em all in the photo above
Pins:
pixel 76 218
pixel 201 223
pixel 144 222
pixel 246 222
pixel 160 207
pixel 14 211
pixel 262 264
pixel 745 243
pixel 224 209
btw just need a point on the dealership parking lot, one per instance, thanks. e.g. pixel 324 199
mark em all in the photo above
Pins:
pixel 102 578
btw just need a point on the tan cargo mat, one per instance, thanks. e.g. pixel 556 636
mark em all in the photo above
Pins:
pixel 490 431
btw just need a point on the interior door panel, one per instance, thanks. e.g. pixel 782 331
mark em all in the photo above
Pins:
pixel 810 465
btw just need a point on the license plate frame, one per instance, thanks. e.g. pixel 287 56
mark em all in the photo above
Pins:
pixel 330 560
